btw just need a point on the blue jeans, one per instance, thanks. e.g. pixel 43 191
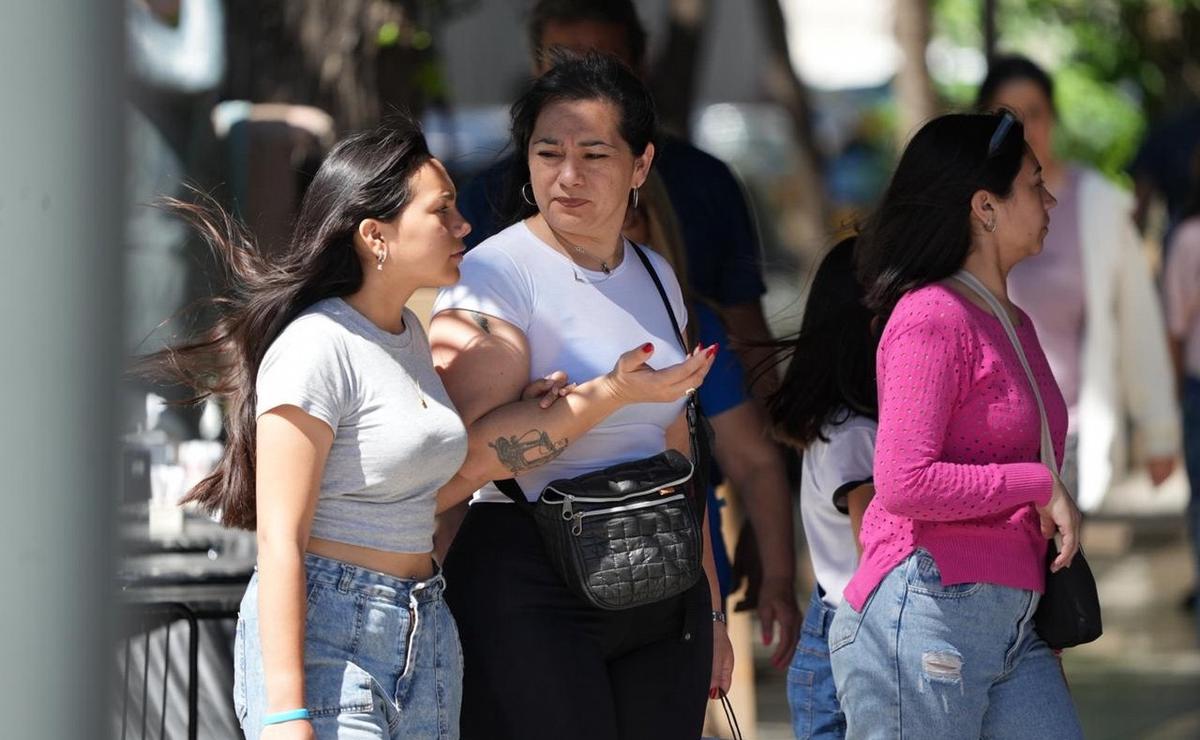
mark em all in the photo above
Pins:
pixel 923 660
pixel 812 694
pixel 381 656
pixel 1191 456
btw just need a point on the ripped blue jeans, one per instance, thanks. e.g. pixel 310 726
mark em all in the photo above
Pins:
pixel 923 660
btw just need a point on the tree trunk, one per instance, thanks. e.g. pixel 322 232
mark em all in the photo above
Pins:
pixel 915 98
pixel 785 87
pixel 674 78
pixel 330 54
pixel 989 29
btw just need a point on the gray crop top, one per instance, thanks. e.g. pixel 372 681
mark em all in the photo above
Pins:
pixel 390 453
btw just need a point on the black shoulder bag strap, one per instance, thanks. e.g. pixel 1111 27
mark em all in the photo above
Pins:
pixel 509 486
pixel 695 418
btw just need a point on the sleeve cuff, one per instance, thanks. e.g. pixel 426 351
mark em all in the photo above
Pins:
pixel 1029 482
pixel 841 497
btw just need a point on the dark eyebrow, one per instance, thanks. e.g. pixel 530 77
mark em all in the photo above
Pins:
pixel 555 142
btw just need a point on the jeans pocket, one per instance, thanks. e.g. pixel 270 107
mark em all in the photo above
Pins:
pixel 800 701
pixel 846 622
pixel 924 577
pixel 334 685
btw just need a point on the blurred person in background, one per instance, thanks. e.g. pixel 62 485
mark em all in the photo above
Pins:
pixel 1093 302
pixel 340 434
pixel 1160 169
pixel 826 406
pixel 1181 284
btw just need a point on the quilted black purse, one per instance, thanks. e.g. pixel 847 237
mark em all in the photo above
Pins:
pixel 1069 611
pixel 629 534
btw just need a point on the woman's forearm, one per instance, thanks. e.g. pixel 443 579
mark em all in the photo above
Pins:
pixel 282 611
pixel 520 436
pixel 710 571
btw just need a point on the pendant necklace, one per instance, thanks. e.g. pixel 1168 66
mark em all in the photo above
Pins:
pixel 580 250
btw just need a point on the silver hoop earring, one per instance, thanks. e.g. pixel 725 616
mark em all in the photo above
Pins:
pixel 528 198
pixel 635 198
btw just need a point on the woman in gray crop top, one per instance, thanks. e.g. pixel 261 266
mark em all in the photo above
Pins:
pixel 340 434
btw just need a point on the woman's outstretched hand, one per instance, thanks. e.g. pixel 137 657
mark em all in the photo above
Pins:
pixel 633 381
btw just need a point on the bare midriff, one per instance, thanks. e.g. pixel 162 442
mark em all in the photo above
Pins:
pixel 416 565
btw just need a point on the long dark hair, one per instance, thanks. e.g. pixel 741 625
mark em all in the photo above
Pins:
pixel 832 369
pixel 367 175
pixel 921 231
pixel 574 77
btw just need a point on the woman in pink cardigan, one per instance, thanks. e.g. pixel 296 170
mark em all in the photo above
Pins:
pixel 935 635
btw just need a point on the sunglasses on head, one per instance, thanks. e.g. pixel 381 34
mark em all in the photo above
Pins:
pixel 1006 122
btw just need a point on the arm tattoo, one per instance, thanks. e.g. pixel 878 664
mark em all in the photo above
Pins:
pixel 514 452
pixel 482 322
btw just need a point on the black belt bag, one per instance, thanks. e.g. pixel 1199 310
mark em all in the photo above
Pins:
pixel 629 534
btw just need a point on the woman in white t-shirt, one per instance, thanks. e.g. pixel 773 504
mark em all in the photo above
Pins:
pixel 826 406
pixel 561 289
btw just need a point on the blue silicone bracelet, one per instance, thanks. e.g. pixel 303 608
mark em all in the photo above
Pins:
pixel 279 717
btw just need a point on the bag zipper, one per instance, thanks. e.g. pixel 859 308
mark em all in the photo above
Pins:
pixel 577 524
pixel 568 499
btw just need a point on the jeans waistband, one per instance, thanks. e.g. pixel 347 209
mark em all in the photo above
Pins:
pixel 818 608
pixel 372 584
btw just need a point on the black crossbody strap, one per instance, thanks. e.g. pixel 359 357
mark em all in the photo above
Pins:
pixel 662 293
pixel 693 404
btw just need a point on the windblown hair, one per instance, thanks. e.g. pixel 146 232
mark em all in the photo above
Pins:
pixel 831 372
pixel 576 77
pixel 367 175
pixel 921 231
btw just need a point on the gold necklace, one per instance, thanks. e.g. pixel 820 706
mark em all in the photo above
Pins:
pixel 603 263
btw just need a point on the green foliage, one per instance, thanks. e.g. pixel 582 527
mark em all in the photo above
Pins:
pixel 1115 63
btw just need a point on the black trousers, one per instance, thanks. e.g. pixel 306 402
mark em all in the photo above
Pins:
pixel 539 662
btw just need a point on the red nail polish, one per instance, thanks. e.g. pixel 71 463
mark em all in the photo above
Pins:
pixel 712 694
pixel 713 350
pixel 647 347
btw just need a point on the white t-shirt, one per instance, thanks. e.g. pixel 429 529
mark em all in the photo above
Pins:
pixel 829 471
pixel 578 321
